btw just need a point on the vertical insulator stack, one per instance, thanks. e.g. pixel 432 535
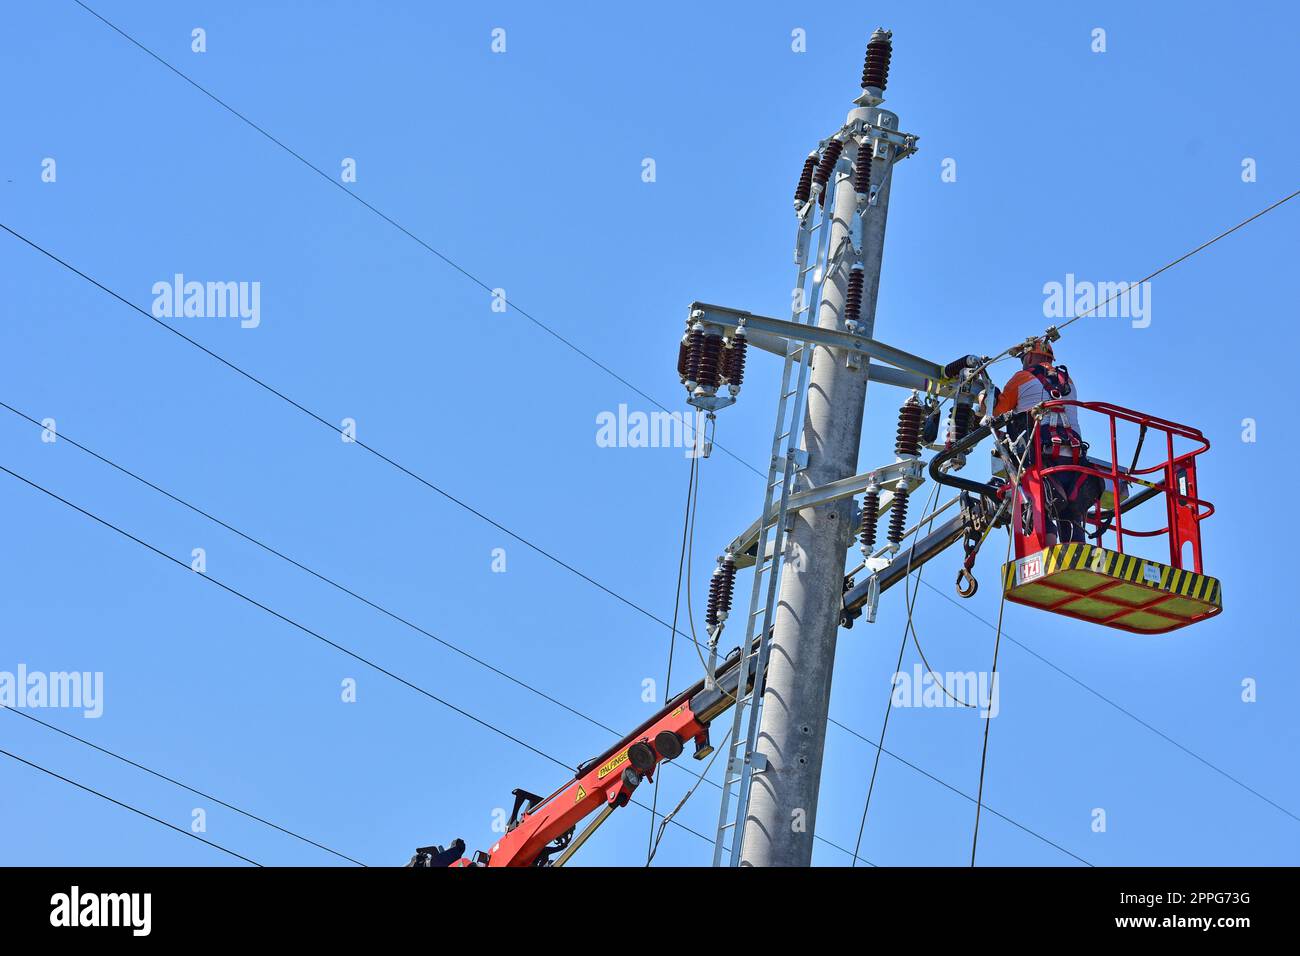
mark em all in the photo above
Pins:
pixel 870 519
pixel 908 442
pixel 875 71
pixel 708 369
pixel 733 362
pixel 960 426
pixel 898 515
pixel 694 347
pixel 804 189
pixel 684 357
pixel 853 296
pixel 830 156
pixel 721 586
pixel 862 170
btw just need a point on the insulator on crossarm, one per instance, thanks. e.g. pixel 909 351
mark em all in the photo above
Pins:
pixel 733 362
pixel 804 189
pixel 910 416
pixel 830 156
pixel 959 426
pixel 898 516
pixel 853 297
pixel 683 357
pixel 875 70
pixel 694 348
pixel 708 370
pixel 721 586
pixel 862 170
pixel 870 519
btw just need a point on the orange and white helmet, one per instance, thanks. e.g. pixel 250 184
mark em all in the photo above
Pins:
pixel 1040 346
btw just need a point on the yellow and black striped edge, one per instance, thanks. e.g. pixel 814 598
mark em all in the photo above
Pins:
pixel 1124 567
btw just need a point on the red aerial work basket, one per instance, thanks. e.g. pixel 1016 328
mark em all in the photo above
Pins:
pixel 1111 587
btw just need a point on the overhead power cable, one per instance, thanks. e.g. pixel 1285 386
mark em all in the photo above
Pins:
pixel 320 637
pixel 1168 265
pixel 691 484
pixel 333 181
pixel 288 620
pixel 623 381
pixel 65 437
pixel 127 806
pixel 69 439
pixel 337 430
pixel 620 598
pixel 183 786
pixel 988 718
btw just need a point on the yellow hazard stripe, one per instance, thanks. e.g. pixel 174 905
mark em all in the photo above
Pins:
pixel 1123 567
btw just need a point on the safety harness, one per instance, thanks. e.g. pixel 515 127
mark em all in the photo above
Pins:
pixel 1060 441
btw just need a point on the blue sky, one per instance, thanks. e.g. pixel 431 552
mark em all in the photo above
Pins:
pixel 525 168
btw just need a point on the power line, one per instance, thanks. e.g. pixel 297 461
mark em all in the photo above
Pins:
pixel 1168 265
pixel 183 786
pixel 691 484
pixel 394 223
pixel 898 666
pixel 961 793
pixel 1185 256
pixel 338 431
pixel 988 718
pixel 127 806
pixel 64 436
pixel 288 620
pixel 447 260
pixel 548 554
pixel 319 637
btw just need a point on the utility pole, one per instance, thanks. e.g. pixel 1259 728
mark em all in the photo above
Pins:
pixel 782 809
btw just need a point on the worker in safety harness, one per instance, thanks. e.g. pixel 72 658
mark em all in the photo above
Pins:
pixel 1069 493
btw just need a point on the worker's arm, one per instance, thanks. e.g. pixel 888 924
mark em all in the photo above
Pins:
pixel 1011 394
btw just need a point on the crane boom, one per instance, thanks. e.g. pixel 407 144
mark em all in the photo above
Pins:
pixel 605 782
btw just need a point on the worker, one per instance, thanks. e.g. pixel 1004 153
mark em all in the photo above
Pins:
pixel 1069 494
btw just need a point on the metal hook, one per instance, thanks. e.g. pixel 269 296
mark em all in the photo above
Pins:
pixel 966 583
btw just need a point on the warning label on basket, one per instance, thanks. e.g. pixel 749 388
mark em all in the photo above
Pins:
pixel 1029 568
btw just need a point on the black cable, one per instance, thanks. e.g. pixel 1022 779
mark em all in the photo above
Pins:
pixel 391 221
pixel 880 746
pixel 334 428
pixel 898 667
pixel 63 436
pixel 183 786
pixel 623 381
pixel 318 636
pixel 691 480
pixel 127 806
pixel 288 620
pixel 961 793
pixel 984 753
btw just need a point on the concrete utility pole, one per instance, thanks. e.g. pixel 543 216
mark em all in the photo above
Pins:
pixel 782 811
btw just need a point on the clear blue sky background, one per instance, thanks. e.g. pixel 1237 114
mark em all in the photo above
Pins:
pixel 525 168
